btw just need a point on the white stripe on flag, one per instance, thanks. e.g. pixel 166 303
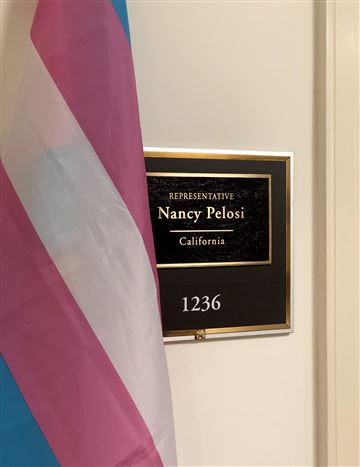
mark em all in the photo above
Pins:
pixel 94 242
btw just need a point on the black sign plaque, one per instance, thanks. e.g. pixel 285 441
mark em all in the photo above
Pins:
pixel 204 220
pixel 221 225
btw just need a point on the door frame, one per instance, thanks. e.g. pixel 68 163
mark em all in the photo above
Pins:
pixel 337 214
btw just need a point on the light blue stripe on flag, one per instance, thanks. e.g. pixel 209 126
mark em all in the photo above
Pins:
pixel 121 10
pixel 22 442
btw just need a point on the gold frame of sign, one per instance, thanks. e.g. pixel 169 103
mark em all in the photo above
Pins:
pixel 203 332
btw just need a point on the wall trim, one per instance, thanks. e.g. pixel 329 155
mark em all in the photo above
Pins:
pixel 337 192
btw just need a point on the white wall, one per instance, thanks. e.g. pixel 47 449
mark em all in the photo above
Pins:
pixel 219 74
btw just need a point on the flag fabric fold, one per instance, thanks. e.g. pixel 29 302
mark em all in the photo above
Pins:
pixel 81 332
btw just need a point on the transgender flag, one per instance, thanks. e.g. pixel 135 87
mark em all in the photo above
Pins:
pixel 83 372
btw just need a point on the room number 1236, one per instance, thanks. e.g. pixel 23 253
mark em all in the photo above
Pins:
pixel 203 304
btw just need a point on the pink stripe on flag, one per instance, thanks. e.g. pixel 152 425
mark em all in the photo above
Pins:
pixel 86 51
pixel 71 387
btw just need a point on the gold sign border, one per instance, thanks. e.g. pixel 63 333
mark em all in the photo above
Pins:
pixel 219 263
pixel 200 334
